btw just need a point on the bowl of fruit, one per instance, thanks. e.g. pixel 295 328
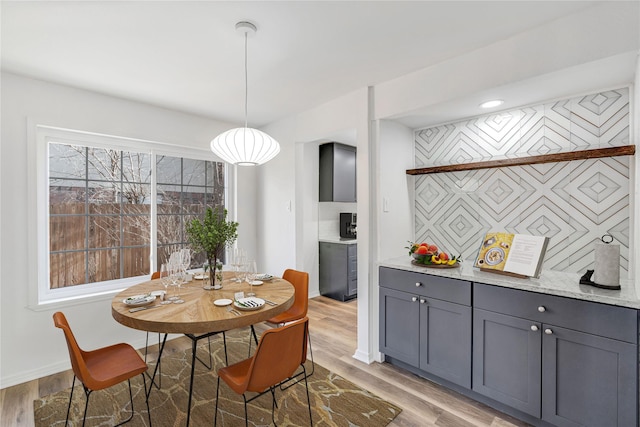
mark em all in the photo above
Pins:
pixel 428 255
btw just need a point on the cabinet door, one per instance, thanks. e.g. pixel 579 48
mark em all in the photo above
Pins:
pixel 507 360
pixel 445 340
pixel 588 380
pixel 344 173
pixel 399 316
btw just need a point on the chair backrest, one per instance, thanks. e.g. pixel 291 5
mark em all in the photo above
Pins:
pixel 75 352
pixel 300 281
pixel 280 352
pixel 155 275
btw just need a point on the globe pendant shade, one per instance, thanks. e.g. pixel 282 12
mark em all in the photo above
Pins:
pixel 245 146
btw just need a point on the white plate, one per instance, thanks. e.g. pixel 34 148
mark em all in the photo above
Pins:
pixel 222 302
pixel 137 300
pixel 200 276
pixel 265 277
pixel 256 282
pixel 249 304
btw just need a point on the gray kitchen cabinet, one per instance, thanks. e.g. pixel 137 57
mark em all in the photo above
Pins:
pixel 337 173
pixel 338 270
pixel 588 380
pixel 568 362
pixel 445 340
pixel 399 325
pixel 507 360
pixel 425 321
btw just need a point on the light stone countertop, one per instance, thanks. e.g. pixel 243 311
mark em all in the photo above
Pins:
pixel 338 240
pixel 550 282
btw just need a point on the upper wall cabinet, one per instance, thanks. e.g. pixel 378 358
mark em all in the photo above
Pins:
pixel 337 173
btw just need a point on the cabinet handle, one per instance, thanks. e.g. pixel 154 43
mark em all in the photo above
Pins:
pixel 541 309
pixel 534 328
pixel 418 284
pixel 422 300
pixel 548 331
pixel 414 299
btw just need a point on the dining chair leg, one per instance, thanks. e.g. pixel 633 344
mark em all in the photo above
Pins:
pixel 306 385
pixel 215 416
pixel 73 383
pixel 87 393
pixel 246 415
pixel 131 400
pixel 273 405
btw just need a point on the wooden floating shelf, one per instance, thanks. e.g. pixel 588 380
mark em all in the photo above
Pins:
pixel 625 150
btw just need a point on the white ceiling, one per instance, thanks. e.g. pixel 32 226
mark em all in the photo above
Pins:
pixel 187 56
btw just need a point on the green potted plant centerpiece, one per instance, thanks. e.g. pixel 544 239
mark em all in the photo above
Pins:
pixel 211 236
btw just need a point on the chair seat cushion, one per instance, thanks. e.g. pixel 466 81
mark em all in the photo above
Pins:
pixel 236 375
pixel 112 365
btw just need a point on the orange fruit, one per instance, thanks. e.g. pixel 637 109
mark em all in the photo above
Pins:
pixel 444 256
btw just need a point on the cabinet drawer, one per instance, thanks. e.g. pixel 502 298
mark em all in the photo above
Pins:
pixel 600 319
pixel 443 288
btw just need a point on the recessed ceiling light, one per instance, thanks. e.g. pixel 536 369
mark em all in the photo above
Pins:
pixel 491 104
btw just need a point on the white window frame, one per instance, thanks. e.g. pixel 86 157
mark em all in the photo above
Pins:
pixel 41 297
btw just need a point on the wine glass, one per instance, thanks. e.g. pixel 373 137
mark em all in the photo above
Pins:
pixel 174 269
pixel 238 258
pixel 185 259
pixel 178 279
pixel 165 280
pixel 251 276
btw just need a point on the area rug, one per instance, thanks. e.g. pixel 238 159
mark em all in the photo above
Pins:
pixel 334 400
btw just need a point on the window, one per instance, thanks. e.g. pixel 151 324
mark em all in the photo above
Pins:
pixel 99 214
pixel 111 211
pixel 185 188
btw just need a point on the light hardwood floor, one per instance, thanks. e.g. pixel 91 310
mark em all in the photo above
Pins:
pixel 333 335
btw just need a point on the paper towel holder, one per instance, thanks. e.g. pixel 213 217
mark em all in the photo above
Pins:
pixel 586 278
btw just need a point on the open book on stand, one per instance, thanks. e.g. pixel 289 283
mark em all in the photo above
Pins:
pixel 517 255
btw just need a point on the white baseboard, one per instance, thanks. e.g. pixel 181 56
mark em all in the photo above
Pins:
pixel 54 368
pixel 363 357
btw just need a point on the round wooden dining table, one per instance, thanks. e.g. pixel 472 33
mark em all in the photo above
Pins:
pixel 197 317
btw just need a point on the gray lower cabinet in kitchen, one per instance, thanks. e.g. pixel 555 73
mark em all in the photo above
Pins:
pixel 568 362
pixel 426 323
pixel 549 360
pixel 338 270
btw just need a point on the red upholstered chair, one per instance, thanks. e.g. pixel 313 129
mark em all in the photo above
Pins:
pixel 279 354
pixel 102 368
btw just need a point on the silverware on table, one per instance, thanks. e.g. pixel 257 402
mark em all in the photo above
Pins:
pixel 232 310
pixel 270 302
pixel 133 310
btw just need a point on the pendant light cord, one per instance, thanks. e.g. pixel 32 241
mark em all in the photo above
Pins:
pixel 246 80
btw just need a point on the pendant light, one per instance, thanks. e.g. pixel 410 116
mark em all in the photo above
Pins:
pixel 245 146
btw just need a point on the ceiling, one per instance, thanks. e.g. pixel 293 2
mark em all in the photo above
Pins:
pixel 187 56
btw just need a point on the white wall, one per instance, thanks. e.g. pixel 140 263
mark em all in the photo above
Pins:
pixel 395 223
pixel 293 238
pixel 31 345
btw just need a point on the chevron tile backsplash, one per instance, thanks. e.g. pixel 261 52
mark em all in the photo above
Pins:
pixel 573 203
